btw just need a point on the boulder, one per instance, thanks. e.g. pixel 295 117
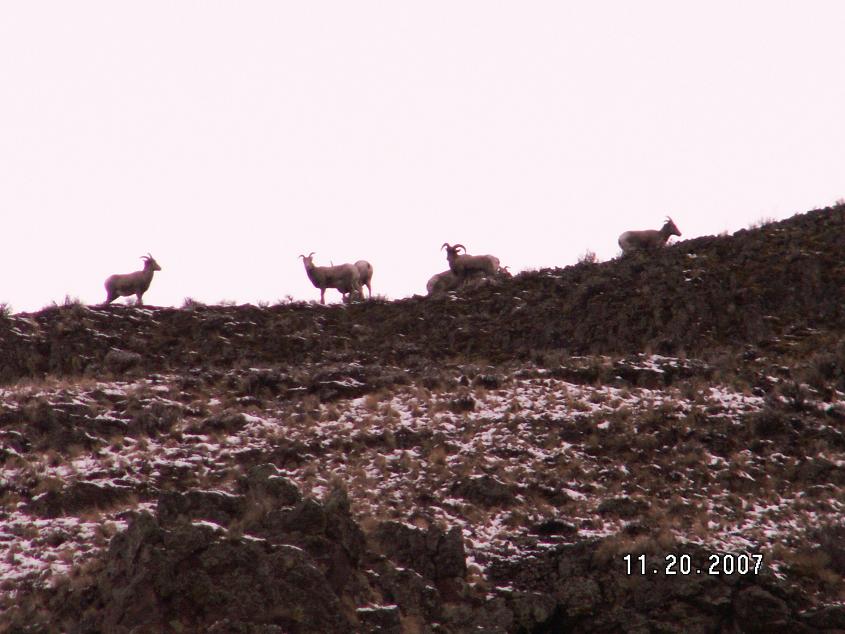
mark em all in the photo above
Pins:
pixel 197 576
pixel 433 553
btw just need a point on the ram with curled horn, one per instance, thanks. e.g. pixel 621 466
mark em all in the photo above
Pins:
pixel 464 265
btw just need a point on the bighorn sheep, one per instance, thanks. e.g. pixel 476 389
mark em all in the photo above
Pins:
pixel 344 277
pixel 464 265
pixel 446 281
pixel 365 274
pixel 135 283
pixel 442 283
pixel 648 239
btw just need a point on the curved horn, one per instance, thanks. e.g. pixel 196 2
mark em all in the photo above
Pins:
pixel 460 246
pixel 305 257
pixel 447 245
pixel 145 258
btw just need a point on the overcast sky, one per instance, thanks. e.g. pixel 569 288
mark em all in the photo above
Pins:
pixel 226 138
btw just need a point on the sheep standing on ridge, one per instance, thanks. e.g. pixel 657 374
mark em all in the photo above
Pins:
pixel 365 275
pixel 648 239
pixel 343 277
pixel 464 265
pixel 137 283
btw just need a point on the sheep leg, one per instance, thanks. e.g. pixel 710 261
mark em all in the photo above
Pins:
pixel 140 297
pixel 322 295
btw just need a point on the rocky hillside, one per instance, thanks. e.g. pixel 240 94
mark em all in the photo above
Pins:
pixel 647 444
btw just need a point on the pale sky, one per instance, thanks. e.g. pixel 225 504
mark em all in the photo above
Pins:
pixel 226 138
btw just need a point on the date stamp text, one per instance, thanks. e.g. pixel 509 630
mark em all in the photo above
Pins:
pixel 683 564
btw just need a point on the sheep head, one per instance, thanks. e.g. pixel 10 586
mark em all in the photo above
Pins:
pixel 670 229
pixel 452 251
pixel 150 263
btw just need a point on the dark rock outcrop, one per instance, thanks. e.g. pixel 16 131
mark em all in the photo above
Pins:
pixel 432 553
pixel 79 496
pixel 486 491
pixel 121 361
pixel 183 566
pixel 213 506
pixel 268 560
pixel 196 575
